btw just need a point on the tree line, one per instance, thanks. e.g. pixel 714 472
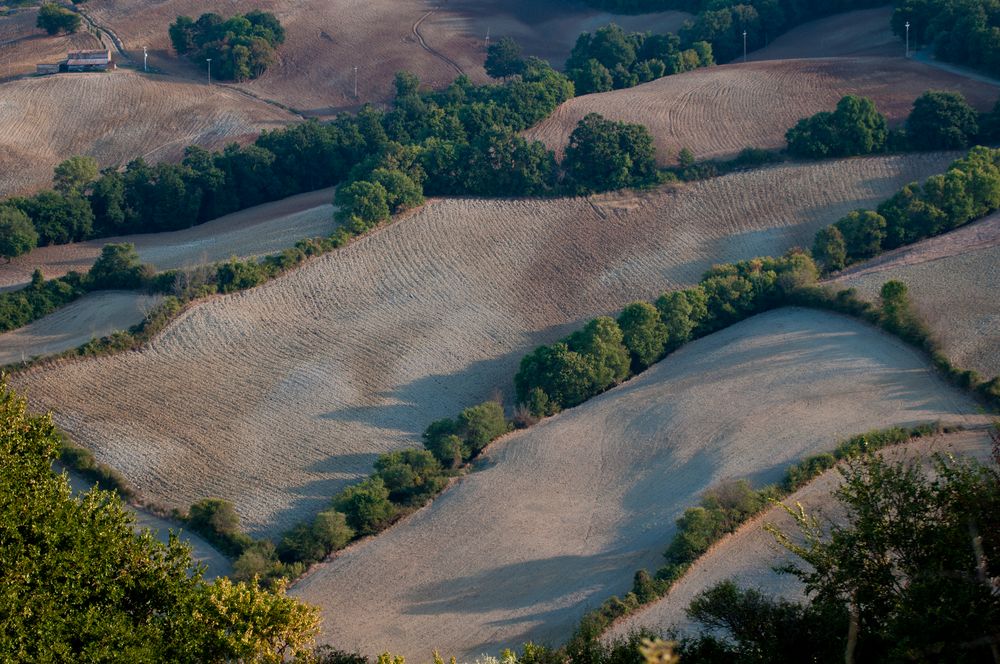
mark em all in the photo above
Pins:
pixel 959 31
pixel 242 46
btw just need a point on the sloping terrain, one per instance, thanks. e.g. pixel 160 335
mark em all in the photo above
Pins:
pixel 750 555
pixel 718 111
pixel 327 39
pixel 865 32
pixel 276 398
pixel 954 280
pixel 91 317
pixel 116 117
pixel 22 45
pixel 256 231
pixel 202 552
pixel 561 515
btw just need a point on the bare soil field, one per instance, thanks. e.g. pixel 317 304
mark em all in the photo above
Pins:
pixel 327 39
pixel 22 45
pixel 116 117
pixel 718 111
pixel 312 375
pixel 91 317
pixel 202 552
pixel 953 280
pixel 865 32
pixel 256 231
pixel 750 555
pixel 560 516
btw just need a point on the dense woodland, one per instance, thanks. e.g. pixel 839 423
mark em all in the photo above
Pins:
pixel 242 47
pixel 966 32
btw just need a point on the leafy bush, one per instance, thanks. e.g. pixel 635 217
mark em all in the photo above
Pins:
pixel 855 128
pixel 863 232
pixel 39 298
pixel 216 520
pixel 603 154
pixel 453 442
pixel 17 233
pixel 643 333
pixel 366 506
pixel 830 249
pixel 54 19
pixel 118 266
pixel 941 121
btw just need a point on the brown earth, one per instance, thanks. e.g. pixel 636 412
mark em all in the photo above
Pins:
pixel 560 516
pixel 327 39
pixel 22 45
pixel 256 231
pixel 91 317
pixel 312 375
pixel 953 280
pixel 865 32
pixel 116 117
pixel 750 555
pixel 717 111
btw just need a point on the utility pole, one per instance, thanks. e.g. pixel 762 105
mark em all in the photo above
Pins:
pixel 145 58
pixel 744 46
pixel 487 39
pixel 907 39
pixel 355 81
pixel 209 61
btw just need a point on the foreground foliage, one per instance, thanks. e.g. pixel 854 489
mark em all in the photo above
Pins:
pixel 77 584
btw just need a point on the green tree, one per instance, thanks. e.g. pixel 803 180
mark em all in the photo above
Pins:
pixel 591 77
pixel 643 333
pixel 603 154
pixel 600 343
pixel 860 128
pixel 562 375
pixel 362 205
pixel 117 267
pixel 863 232
pixel 480 425
pixel 80 585
pixel 411 476
pixel 402 193
pixel 75 174
pixel 366 505
pixel 54 19
pixel 941 121
pixel 829 249
pixel 503 59
pixel 17 233
pixel 682 312
pixel 58 219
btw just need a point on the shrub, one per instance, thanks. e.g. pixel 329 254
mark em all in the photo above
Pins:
pixel 411 476
pixel 311 542
pixel 366 505
pixel 118 267
pixel 17 234
pixel 863 232
pixel 643 333
pixel 480 425
pixel 216 520
pixel 941 121
pixel 54 19
pixel 829 249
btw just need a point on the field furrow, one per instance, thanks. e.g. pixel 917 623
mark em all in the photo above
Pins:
pixel 276 398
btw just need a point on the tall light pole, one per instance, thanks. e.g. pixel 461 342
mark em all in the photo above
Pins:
pixel 487 38
pixel 145 58
pixel 355 81
pixel 744 46
pixel 209 61
pixel 907 39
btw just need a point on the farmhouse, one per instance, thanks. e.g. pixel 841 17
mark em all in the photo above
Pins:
pixel 91 60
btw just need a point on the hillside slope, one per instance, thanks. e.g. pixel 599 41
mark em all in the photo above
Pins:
pixel 312 375
pixel 560 516
pixel 718 111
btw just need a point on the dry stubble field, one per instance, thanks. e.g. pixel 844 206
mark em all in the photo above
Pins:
pixel 22 45
pixel 116 117
pixel 326 39
pixel 310 376
pixel 750 555
pixel 954 280
pixel 91 317
pixel 561 515
pixel 717 111
pixel 256 231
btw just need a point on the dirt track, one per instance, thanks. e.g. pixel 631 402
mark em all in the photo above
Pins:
pixel 313 374
pixel 91 317
pixel 718 111
pixel 750 555
pixel 560 516
pixel 255 231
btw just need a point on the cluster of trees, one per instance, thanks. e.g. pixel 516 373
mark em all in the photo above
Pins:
pixel 604 154
pixel 611 59
pixel 968 190
pixel 606 352
pixel 54 19
pixel 959 31
pixel 908 577
pixel 938 121
pixel 241 47
pixel 402 482
pixel 80 585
